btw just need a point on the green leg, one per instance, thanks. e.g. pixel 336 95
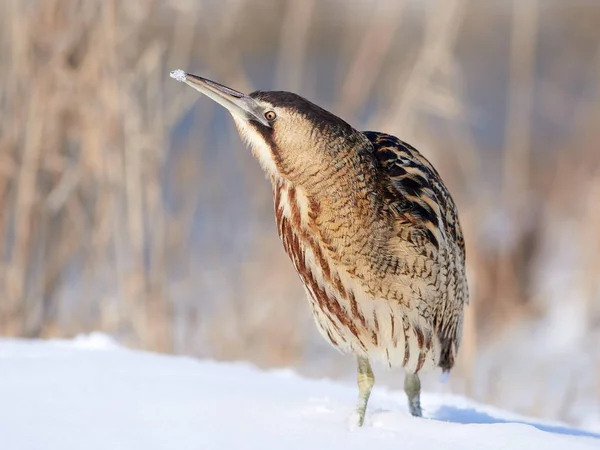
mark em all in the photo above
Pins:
pixel 412 387
pixel 366 380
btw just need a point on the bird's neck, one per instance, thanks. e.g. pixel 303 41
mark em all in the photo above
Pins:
pixel 321 168
pixel 337 198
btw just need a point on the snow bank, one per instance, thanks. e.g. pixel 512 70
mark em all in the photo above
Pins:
pixel 91 394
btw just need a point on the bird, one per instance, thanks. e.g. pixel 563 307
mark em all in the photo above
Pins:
pixel 371 230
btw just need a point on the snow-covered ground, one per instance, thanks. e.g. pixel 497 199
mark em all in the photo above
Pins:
pixel 90 393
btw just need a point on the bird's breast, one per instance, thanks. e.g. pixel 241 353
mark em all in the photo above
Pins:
pixel 353 313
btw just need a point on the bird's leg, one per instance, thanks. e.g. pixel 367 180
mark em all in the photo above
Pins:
pixel 366 380
pixel 412 387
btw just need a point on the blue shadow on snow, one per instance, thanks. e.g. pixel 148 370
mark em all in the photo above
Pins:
pixel 472 416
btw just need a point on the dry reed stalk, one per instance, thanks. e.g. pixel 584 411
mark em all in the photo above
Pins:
pixel 589 242
pixel 107 134
pixel 516 170
pixel 443 23
pixel 369 57
pixel 293 43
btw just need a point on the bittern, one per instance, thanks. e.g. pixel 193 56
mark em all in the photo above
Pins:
pixel 370 228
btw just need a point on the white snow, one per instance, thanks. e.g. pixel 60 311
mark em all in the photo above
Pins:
pixel 90 394
pixel 178 74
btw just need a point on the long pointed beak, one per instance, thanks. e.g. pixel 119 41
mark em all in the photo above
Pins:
pixel 237 103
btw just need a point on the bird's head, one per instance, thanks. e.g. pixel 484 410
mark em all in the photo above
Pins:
pixel 290 136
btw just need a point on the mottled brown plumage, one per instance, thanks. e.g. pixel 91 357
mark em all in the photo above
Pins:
pixel 370 228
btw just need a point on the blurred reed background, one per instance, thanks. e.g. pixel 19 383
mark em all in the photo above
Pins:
pixel 128 205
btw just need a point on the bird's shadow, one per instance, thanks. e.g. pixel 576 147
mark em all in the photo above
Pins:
pixel 472 416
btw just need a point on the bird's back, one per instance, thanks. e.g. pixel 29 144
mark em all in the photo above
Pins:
pixel 426 219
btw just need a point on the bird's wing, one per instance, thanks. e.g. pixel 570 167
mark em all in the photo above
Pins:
pixel 418 199
pixel 417 193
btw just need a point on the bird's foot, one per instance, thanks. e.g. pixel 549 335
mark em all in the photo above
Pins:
pixel 359 415
pixel 414 406
pixel 365 384
pixel 356 420
pixel 412 387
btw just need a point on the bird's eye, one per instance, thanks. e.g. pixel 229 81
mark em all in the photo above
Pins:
pixel 270 115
